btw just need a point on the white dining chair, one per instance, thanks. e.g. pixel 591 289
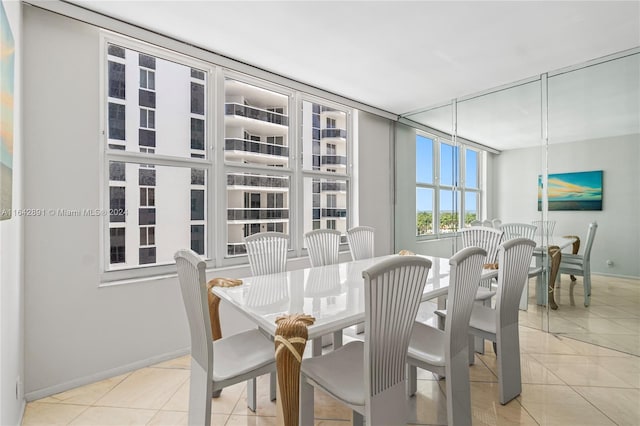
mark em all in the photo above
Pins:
pixel 370 377
pixel 500 324
pixel 323 247
pixel 445 352
pixel 489 239
pixel 580 264
pixel 487 223
pixel 361 242
pixel 475 223
pixel 267 252
pixel 518 230
pixel 496 223
pixel 225 362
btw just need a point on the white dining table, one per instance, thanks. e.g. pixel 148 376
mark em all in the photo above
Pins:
pixel 333 295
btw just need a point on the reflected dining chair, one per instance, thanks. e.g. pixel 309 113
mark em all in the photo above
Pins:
pixel 496 223
pixel 225 362
pixel 518 230
pixel 361 240
pixel 370 377
pixel 500 324
pixel 544 227
pixel 323 247
pixel 446 352
pixel 580 264
pixel 475 223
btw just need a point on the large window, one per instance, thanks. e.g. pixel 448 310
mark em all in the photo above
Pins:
pixel 448 191
pixel 154 206
pixel 163 189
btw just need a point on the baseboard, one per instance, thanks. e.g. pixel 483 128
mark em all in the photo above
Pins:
pixel 629 277
pixel 62 387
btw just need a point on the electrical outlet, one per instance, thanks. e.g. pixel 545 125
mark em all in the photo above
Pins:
pixel 609 263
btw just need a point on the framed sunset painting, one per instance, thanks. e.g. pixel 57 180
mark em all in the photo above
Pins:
pixel 573 191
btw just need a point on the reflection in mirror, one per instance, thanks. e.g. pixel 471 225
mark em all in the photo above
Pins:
pixel 594 126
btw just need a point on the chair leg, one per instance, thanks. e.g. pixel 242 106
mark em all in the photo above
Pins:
pixel 472 351
pixel 200 391
pixel 586 283
pixel 458 390
pixel 412 380
pixel 273 386
pixel 316 347
pixel 337 339
pixel 358 419
pixel 508 361
pixel 306 403
pixel 251 394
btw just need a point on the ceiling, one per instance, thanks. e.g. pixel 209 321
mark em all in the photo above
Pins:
pixel 399 56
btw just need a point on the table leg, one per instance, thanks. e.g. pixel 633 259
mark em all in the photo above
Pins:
pixel 290 341
pixel 556 256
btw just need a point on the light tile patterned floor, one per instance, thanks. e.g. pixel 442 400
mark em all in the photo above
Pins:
pixel 565 381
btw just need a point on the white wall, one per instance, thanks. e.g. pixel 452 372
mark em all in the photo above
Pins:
pixel 11 286
pixel 618 237
pixel 76 331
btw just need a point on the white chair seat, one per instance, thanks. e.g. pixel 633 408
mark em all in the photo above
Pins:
pixel 240 354
pixel 484 293
pixel 427 344
pixel 483 318
pixel 340 372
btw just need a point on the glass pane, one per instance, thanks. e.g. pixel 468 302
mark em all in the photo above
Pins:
pixel 324 138
pixel 331 213
pixel 256 124
pixel 254 203
pixel 471 169
pixel 424 159
pixel 470 207
pixel 424 211
pixel 449 211
pixel 448 164
pixel 133 124
pixel 153 201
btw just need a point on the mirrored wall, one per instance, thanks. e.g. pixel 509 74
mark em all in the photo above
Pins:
pixel 562 148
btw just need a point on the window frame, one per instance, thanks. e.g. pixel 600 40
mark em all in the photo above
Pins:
pixel 458 188
pixel 214 164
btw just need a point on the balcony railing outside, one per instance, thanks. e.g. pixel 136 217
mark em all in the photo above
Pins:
pixel 334 212
pixel 257 147
pixel 257 181
pixel 257 214
pixel 334 186
pixel 334 133
pixel 236 249
pixel 334 159
pixel 256 113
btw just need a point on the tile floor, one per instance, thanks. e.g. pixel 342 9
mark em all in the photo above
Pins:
pixel 565 381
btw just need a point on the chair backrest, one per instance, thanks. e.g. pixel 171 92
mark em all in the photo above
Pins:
pixel 483 237
pixel 360 241
pixel 496 223
pixel 267 252
pixel 591 234
pixel 475 223
pixel 487 223
pixel 323 246
pixel 464 278
pixel 392 291
pixel 544 227
pixel 518 230
pixel 193 286
pixel 514 258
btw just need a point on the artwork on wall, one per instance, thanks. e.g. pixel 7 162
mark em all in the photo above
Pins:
pixel 6 114
pixel 573 191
